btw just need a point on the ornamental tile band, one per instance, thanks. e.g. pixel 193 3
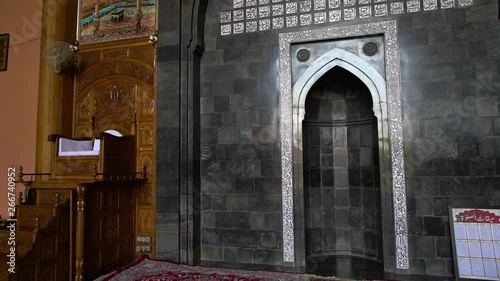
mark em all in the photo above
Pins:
pixel 307 11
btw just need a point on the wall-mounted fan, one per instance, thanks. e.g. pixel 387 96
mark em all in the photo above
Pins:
pixel 59 55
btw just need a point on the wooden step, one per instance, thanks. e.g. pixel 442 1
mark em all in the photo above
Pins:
pixel 27 215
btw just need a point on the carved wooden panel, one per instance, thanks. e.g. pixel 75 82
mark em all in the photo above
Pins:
pixel 27 216
pixel 147 104
pixel 83 131
pixel 146 135
pixel 115 53
pixel 48 245
pixel 114 106
pixel 93 234
pixel 111 227
pixel 24 242
pixel 29 272
pixel 146 158
pixel 75 166
pixel 116 67
pixel 127 224
pixel 110 198
pixel 145 220
pixel 120 78
pixel 145 53
pixel 89 58
pixel 48 197
pixel 84 109
pixel 145 195
pixel 47 273
pixel 94 200
pixel 126 198
pixel 109 255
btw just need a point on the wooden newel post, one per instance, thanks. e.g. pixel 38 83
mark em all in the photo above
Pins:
pixel 80 224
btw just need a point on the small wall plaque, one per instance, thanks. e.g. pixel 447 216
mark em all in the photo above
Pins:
pixel 475 235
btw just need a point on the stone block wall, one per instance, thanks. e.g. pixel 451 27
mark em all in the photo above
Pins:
pixel 450 62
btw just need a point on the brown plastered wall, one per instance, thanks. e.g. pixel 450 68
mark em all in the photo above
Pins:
pixel 19 89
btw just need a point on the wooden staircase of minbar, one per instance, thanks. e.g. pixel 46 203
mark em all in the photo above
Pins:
pixel 42 239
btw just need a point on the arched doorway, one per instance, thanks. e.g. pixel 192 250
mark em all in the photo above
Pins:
pixel 342 199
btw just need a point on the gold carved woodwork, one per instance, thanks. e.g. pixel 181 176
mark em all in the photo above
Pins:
pixel 83 131
pixel 75 166
pixel 114 106
pixel 84 109
pixel 31 216
pixel 145 220
pixel 116 67
pixel 145 195
pixel 48 197
pixel 143 53
pixel 126 70
pixel 147 106
pixel 146 135
pixel 24 243
pixel 146 160
pixel 89 58
pixel 80 226
pixel 115 53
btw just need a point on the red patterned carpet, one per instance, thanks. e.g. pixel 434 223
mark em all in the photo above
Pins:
pixel 146 269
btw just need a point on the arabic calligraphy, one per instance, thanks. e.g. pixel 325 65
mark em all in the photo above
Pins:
pixel 477 216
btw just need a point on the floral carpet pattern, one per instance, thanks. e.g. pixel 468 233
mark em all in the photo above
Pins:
pixel 146 269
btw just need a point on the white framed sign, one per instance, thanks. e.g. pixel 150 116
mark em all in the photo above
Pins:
pixel 475 234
